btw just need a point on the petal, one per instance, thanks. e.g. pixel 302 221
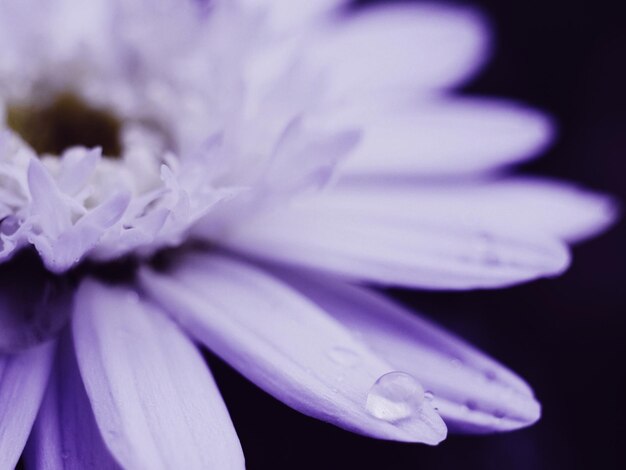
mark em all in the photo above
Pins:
pixel 445 137
pixel 34 304
pixel 563 210
pixel 23 379
pixel 74 243
pixel 77 166
pixel 317 155
pixel 394 47
pixel 283 343
pixel 390 248
pixel 520 204
pixel 153 397
pixel 473 393
pixel 48 204
pixel 65 435
pixel 290 15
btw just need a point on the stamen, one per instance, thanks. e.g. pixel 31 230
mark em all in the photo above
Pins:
pixel 65 122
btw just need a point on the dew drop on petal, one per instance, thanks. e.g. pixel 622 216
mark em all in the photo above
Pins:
pixel 9 225
pixel 456 363
pixel 394 397
pixel 132 298
pixel 471 405
pixel 488 252
pixel 429 396
pixel 344 356
pixel 490 376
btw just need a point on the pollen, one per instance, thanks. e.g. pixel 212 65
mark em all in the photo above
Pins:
pixel 63 122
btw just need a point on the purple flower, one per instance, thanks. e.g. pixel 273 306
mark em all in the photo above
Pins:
pixel 237 173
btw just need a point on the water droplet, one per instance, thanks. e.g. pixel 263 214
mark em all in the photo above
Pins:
pixel 487 250
pixel 456 362
pixel 491 376
pixel 132 297
pixel 429 396
pixel 471 405
pixel 499 414
pixel 394 397
pixel 9 225
pixel 344 356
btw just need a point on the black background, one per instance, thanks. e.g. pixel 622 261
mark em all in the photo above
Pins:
pixel 565 336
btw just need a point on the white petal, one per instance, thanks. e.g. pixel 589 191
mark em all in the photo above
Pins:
pixel 520 204
pixel 387 48
pixel 472 392
pixel 65 435
pixel 391 249
pixel 283 343
pixel 289 14
pixel 316 155
pixel 153 397
pixel 71 246
pixel 445 137
pixel 77 166
pixel 48 205
pixel 560 209
pixel 23 379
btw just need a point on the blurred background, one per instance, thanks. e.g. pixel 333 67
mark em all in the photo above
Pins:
pixel 565 336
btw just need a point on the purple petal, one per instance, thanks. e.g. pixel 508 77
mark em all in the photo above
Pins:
pixel 317 156
pixel 34 305
pixel 23 379
pixel 559 209
pixel 290 15
pixel 78 165
pixel 391 248
pixel 472 392
pixel 387 48
pixel 65 435
pixel 47 204
pixel 153 397
pixel 504 206
pixel 72 245
pixel 284 344
pixel 445 137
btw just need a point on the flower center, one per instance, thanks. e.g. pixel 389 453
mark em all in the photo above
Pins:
pixel 63 122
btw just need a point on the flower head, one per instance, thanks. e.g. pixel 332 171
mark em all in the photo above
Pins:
pixel 237 173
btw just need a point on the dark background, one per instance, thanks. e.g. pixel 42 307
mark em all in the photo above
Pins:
pixel 565 336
